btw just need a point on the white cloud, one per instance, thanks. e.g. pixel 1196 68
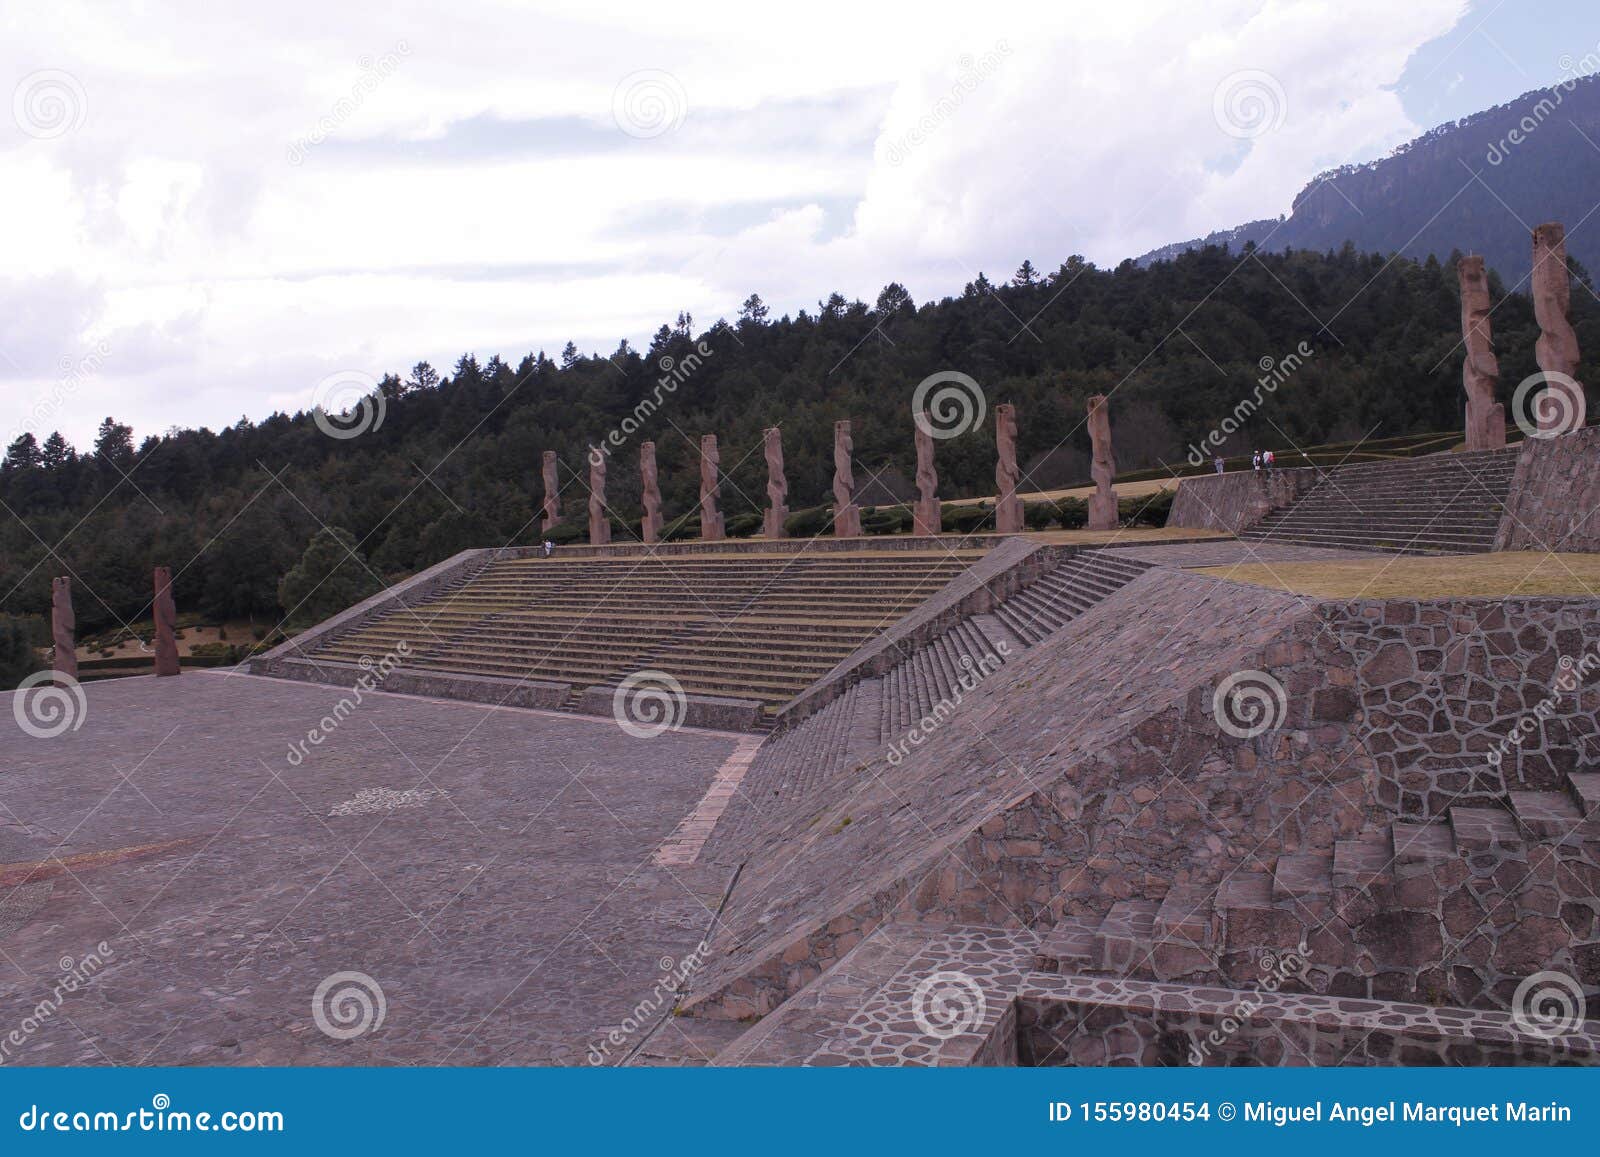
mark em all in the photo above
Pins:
pixel 476 194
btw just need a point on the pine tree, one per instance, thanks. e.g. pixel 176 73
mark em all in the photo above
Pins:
pixel 328 578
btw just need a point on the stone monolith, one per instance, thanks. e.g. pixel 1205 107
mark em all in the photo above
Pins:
pixel 1480 373
pixel 777 484
pixel 926 514
pixel 552 491
pixel 599 519
pixel 1103 502
pixel 166 617
pixel 846 514
pixel 1007 506
pixel 1562 407
pixel 710 483
pixel 651 526
pixel 63 627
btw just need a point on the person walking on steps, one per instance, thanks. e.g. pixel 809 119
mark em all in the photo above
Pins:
pixel 1218 463
pixel 1269 459
pixel 1255 461
pixel 549 548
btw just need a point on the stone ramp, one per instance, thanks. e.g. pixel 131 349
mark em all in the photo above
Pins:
pixel 1135 704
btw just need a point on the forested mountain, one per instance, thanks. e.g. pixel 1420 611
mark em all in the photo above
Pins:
pixel 1478 184
pixel 455 461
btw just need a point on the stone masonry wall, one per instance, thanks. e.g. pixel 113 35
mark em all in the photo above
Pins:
pixel 1445 686
pixel 1554 502
pixel 1237 501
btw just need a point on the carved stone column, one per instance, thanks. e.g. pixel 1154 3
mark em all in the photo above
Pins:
pixel 777 484
pixel 710 484
pixel 63 627
pixel 846 514
pixel 926 514
pixel 552 492
pixel 599 519
pixel 1103 502
pixel 1562 407
pixel 1007 506
pixel 1480 373
pixel 652 492
pixel 166 616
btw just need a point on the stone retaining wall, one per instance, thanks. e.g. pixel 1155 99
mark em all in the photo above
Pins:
pixel 822 544
pixel 435 684
pixel 1554 502
pixel 1237 501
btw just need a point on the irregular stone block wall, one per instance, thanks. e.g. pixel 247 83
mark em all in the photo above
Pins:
pixel 1237 501
pixel 1444 686
pixel 1554 502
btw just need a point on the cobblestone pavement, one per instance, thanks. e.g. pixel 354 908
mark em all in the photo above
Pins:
pixel 492 871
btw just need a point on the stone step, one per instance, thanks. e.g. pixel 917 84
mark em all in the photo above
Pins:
pixel 1364 861
pixel 1069 947
pixel 1124 937
pixel 1545 813
pixel 1422 843
pixel 1480 829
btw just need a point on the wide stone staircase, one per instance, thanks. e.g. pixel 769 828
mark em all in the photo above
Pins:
pixel 1439 504
pixel 748 627
pixel 1066 592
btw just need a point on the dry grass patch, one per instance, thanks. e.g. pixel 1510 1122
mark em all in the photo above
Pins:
pixel 1457 576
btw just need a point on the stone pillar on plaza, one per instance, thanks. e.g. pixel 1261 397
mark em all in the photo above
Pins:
pixel 926 514
pixel 651 526
pixel 710 483
pixel 1480 373
pixel 846 514
pixel 166 617
pixel 599 519
pixel 777 484
pixel 1103 502
pixel 552 492
pixel 1561 408
pixel 1007 506
pixel 63 627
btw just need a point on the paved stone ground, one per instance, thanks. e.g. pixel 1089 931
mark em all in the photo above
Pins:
pixel 492 870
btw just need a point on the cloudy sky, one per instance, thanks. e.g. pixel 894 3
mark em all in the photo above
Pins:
pixel 204 214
